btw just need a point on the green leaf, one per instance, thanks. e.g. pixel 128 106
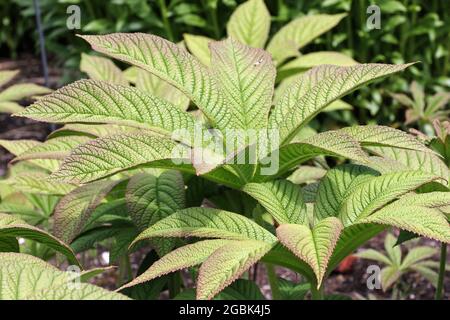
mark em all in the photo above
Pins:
pixel 36 183
pixel 330 143
pixel 73 210
pixel 298 33
pixel 227 264
pixel 99 68
pixel 169 62
pixel 378 191
pixel 250 23
pixel 315 59
pixel 337 185
pixel 153 85
pixel 246 76
pixel 241 289
pixel 151 198
pixel 293 291
pixel 307 174
pixel 374 255
pixel 389 276
pixel 417 160
pixel 416 255
pixel 24 277
pixel 106 156
pixel 394 252
pixel 92 101
pixel 7 75
pixel 281 198
pixel 181 258
pixel 374 135
pixel 319 87
pixel 352 238
pixel 314 246
pixel 427 222
pixel 57 148
pixel 207 223
pixel 10 107
pixel 14 227
pixel 199 47
pixel 20 91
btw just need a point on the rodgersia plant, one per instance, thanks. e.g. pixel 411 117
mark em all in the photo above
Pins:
pixel 10 96
pixel 134 179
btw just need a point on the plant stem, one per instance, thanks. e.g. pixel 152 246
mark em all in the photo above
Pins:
pixel 273 281
pixel 317 293
pixel 125 272
pixel 174 285
pixel 442 264
pixel 165 18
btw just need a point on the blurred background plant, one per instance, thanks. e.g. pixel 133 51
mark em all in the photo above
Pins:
pixel 418 258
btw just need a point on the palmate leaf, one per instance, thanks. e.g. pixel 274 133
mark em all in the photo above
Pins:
pixel 92 101
pixel 250 23
pixel 74 210
pixel 24 277
pixel 227 264
pixel 199 47
pixel 207 223
pixel 315 245
pixel 374 255
pixel 377 192
pixel 298 33
pixel 99 68
pixel 246 77
pixel 11 227
pixel 281 198
pixel 318 88
pixel 169 62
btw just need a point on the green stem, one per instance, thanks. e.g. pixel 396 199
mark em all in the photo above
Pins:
pixel 174 285
pixel 273 281
pixel 317 293
pixel 442 264
pixel 165 18
pixel 125 272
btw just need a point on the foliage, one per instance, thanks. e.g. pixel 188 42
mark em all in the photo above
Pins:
pixel 418 259
pixel 203 161
pixel 9 97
